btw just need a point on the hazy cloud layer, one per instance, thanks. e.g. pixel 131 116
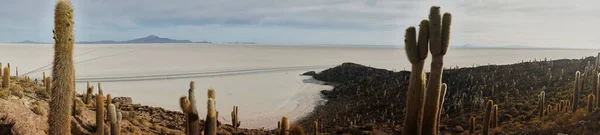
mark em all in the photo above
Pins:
pixel 544 23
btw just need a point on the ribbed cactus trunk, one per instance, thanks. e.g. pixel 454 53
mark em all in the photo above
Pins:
pixel 487 117
pixel 63 71
pixel 439 35
pixel 100 114
pixel 210 127
pixel 576 89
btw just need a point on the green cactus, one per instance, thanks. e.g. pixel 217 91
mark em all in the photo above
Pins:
pixel 6 78
pixel 63 71
pixel 472 125
pixel 210 127
pixel 235 120
pixel 438 48
pixel 99 114
pixel 192 116
pixel 417 53
pixel 285 126
pixel 487 117
pixel 576 89
pixel 541 103
pixel 115 128
pixel 590 102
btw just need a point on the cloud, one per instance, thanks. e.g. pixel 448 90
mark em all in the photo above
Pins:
pixel 554 23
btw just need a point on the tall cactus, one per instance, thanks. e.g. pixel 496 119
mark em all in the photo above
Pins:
pixel 590 102
pixel 416 87
pixel 63 71
pixel 6 78
pixel 576 89
pixel 285 126
pixel 487 117
pixel 115 128
pixel 100 114
pixel 210 127
pixel 194 119
pixel 439 41
pixel 235 120
pixel 541 102
pixel 472 125
pixel 494 116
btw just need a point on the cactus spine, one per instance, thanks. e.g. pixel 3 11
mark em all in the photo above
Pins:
pixel 487 117
pixel 285 126
pixel 114 120
pixel 439 41
pixel 210 127
pixel 576 89
pixel 472 125
pixel 590 103
pixel 100 114
pixel 63 71
pixel 235 120
pixel 6 78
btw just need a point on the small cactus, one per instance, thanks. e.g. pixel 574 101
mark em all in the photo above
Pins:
pixel 63 70
pixel 285 126
pixel 210 127
pixel 6 78
pixel 472 125
pixel 576 89
pixel 89 94
pixel 494 117
pixel 48 84
pixel 235 120
pixel 487 117
pixel 99 114
pixel 316 128
pixel 192 114
pixel 115 128
pixel 541 103
pixel 108 99
pixel 100 89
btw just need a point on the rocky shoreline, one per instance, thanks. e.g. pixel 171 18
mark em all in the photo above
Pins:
pixel 367 99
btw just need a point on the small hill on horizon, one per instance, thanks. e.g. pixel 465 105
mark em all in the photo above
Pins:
pixel 147 39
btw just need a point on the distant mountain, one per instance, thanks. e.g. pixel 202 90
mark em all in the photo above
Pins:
pixel 156 39
pixel 29 42
pixel 147 39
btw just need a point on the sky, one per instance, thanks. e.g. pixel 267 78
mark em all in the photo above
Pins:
pixel 537 23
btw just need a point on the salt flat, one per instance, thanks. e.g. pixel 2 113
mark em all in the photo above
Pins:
pixel 263 80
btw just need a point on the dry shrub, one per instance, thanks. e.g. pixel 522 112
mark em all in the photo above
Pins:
pixel 39 110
